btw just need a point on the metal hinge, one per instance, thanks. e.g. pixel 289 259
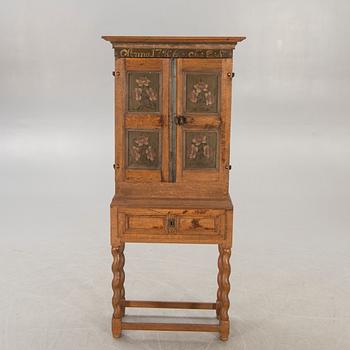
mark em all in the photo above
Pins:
pixel 231 74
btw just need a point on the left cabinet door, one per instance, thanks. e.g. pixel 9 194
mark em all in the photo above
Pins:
pixel 141 120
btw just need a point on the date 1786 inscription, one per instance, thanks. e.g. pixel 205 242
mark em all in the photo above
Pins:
pixel 171 53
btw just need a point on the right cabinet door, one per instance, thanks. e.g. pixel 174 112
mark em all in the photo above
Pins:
pixel 202 137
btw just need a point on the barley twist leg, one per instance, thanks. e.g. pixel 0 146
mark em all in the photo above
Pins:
pixel 117 286
pixel 225 289
pixel 219 280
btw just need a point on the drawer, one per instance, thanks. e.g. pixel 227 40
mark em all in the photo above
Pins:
pixel 170 225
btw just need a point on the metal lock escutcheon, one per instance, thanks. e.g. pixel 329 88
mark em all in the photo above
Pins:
pixel 171 224
pixel 180 120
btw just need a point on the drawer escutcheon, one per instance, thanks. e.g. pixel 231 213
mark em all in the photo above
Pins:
pixel 171 224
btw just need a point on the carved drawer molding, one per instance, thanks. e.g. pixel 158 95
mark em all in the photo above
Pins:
pixel 170 225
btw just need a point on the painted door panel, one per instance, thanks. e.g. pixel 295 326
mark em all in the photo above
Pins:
pixel 142 93
pixel 203 88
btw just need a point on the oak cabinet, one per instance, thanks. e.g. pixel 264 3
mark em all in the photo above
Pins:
pixel 172 157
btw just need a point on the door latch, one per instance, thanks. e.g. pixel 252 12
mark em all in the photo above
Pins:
pixel 180 120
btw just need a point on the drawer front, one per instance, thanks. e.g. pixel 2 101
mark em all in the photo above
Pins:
pixel 145 224
pixel 171 225
pixel 198 225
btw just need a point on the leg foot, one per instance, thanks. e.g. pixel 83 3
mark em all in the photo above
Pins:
pixel 116 327
pixel 224 330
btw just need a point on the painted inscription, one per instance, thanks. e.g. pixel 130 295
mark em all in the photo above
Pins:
pixel 171 53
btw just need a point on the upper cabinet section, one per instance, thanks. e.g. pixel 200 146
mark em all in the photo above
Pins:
pixel 172 115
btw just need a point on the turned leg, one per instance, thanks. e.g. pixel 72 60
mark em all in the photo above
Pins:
pixel 118 289
pixel 225 289
pixel 219 279
pixel 123 289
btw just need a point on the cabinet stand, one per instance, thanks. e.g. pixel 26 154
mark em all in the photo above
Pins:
pixel 221 305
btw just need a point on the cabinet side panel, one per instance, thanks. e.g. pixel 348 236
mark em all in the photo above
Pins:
pixel 119 120
pixel 226 101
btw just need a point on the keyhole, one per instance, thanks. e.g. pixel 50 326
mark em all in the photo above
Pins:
pixel 172 222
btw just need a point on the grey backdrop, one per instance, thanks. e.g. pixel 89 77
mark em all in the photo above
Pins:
pixel 289 180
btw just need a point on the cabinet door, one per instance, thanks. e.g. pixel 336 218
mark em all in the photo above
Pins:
pixel 202 139
pixel 142 140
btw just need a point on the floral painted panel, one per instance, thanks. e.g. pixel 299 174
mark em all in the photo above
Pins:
pixel 200 149
pixel 143 149
pixel 201 93
pixel 143 92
